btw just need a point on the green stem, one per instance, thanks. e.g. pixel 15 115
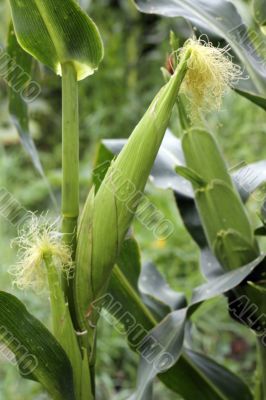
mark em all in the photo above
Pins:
pixel 70 210
pixel 261 389
pixel 70 156
pixel 70 163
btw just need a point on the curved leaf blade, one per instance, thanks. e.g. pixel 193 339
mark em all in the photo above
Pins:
pixel 22 91
pixel 230 386
pixel 186 376
pixel 170 332
pixel 249 178
pixel 58 32
pixel 17 106
pixel 39 355
pixel 156 292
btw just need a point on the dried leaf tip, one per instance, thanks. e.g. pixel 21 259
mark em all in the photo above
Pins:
pixel 36 240
pixel 210 72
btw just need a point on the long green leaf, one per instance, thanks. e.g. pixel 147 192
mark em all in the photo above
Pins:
pixel 55 32
pixel 38 354
pixel 22 91
pixel 186 376
pixel 18 79
pixel 156 293
pixel 170 334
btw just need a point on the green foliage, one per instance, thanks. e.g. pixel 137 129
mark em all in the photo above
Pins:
pixel 114 103
pixel 17 105
pixel 38 354
pixel 53 44
pixel 223 216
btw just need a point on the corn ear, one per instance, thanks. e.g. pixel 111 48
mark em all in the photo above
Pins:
pixel 64 331
pixel 83 278
pixel 222 211
pixel 105 223
pixel 120 193
pixel 224 218
pixel 225 221
pixel 233 249
pixel 204 156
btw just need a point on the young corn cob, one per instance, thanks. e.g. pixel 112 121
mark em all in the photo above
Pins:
pixel 222 212
pixel 107 215
pixel 226 225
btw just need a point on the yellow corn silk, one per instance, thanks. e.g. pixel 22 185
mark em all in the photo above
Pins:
pixel 210 72
pixel 38 238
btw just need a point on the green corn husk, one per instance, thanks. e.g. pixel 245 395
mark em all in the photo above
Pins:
pixel 225 222
pixel 65 334
pixel 242 250
pixel 107 218
pixel 224 216
pixel 222 212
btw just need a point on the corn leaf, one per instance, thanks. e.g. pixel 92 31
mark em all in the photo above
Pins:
pixel 18 78
pixel 55 32
pixel 249 178
pixel 190 370
pixel 22 91
pixel 222 18
pixel 39 355
pixel 156 293
pixel 169 336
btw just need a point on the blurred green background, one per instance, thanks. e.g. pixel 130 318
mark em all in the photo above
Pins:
pixel 111 103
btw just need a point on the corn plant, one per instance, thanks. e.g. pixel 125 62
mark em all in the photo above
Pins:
pixel 92 262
